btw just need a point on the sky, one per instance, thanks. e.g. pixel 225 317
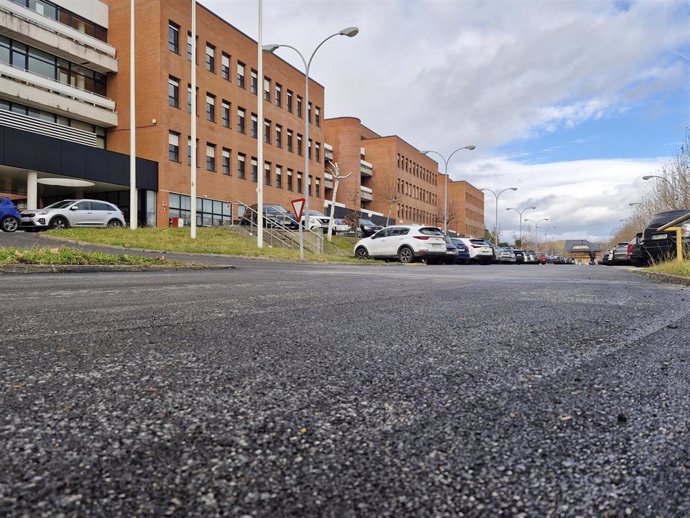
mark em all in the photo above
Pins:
pixel 569 101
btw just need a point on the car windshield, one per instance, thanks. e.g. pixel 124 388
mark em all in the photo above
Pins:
pixel 60 204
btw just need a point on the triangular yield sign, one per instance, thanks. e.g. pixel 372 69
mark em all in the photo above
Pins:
pixel 298 206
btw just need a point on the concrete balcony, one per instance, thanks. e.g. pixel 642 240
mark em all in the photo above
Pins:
pixel 58 39
pixel 50 95
pixel 366 193
pixel 328 180
pixel 328 151
pixel 365 168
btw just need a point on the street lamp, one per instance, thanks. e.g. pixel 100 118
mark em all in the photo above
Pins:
pixel 635 204
pixel 520 212
pixel 546 230
pixel 350 32
pixel 497 195
pixel 673 194
pixel 536 225
pixel 445 172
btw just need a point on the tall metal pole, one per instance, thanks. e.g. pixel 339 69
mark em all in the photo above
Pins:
pixel 497 196
pixel 193 129
pixel 521 212
pixel 260 136
pixel 133 206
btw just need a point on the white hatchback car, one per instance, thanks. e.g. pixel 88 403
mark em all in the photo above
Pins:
pixel 73 213
pixel 403 242
pixel 480 250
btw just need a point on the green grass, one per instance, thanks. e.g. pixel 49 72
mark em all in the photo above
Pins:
pixel 70 256
pixel 672 267
pixel 209 240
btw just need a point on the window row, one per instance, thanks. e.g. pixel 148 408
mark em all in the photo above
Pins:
pixel 416 192
pixel 36 61
pixel 414 215
pixel 208 212
pixel 271 92
pixel 55 12
pixel 409 166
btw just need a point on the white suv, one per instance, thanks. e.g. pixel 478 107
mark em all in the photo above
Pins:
pixel 73 213
pixel 480 250
pixel 404 242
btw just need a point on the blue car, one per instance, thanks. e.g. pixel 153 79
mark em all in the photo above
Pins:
pixel 9 215
pixel 463 251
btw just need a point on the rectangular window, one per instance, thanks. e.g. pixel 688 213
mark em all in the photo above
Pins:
pixel 189 100
pixel 225 161
pixel 240 74
pixel 289 101
pixel 210 157
pixel 279 135
pixel 254 84
pixel 309 149
pixel 318 187
pixel 174 146
pixel 174 37
pixel 299 182
pixel 289 141
pixel 299 145
pixel 279 177
pixel 240 120
pixel 267 131
pixel 299 106
pixel 267 89
pixel 255 170
pixel 210 107
pixel 267 173
pixel 317 116
pixel 210 57
pixel 173 92
pixel 317 152
pixel 279 95
pixel 189 47
pixel 309 113
pixel 225 113
pixel 225 66
pixel 189 151
pixel 255 125
pixel 240 165
pixel 289 179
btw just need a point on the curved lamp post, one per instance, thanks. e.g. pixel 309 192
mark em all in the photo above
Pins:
pixel 520 212
pixel 445 172
pixel 670 184
pixel 497 196
pixel 536 225
pixel 350 32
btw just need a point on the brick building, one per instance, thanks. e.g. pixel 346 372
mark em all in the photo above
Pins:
pixel 465 209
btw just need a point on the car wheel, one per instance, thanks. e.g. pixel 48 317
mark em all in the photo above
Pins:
pixel 9 224
pixel 114 223
pixel 361 253
pixel 59 223
pixel 405 255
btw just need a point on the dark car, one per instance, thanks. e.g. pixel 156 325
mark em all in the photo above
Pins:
pixel 463 251
pixel 620 254
pixel 9 215
pixel 519 256
pixel 274 216
pixel 368 228
pixel 661 245
pixel 635 251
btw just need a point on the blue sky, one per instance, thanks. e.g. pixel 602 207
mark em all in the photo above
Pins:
pixel 570 101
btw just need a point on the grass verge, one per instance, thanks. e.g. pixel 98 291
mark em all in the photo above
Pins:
pixel 673 267
pixel 70 256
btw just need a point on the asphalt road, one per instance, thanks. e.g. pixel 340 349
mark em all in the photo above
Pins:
pixel 293 390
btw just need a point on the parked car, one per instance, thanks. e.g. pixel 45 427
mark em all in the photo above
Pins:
pixel 519 255
pixel 530 257
pixel 407 243
pixel 463 250
pixel 73 213
pixel 619 254
pixel 451 252
pixel 367 228
pixel 341 227
pixel 635 251
pixel 660 246
pixel 480 251
pixel 317 220
pixel 505 255
pixel 9 215
pixel 274 216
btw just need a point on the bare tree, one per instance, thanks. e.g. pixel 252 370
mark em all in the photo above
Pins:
pixel 390 193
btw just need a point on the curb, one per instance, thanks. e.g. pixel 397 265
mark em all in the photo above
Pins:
pixel 664 277
pixel 92 268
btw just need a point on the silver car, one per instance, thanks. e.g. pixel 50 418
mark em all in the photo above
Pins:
pixel 73 213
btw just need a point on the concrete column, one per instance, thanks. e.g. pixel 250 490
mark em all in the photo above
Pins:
pixel 32 190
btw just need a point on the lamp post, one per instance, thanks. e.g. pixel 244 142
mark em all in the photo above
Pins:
pixel 546 230
pixel 673 193
pixel 350 32
pixel 497 196
pixel 536 226
pixel 520 212
pixel 445 172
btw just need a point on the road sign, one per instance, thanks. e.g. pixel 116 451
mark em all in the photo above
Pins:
pixel 298 206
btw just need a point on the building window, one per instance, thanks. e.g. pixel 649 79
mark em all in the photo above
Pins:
pixel 173 92
pixel 189 100
pixel 255 170
pixel 317 152
pixel 254 84
pixel 174 146
pixel 210 157
pixel 299 182
pixel 279 177
pixel 240 165
pixel 225 66
pixel 299 106
pixel 267 89
pixel 309 149
pixel 240 120
pixel 289 101
pixel 289 180
pixel 225 161
pixel 189 152
pixel 189 48
pixel 299 145
pixel 318 187
pixel 255 125
pixel 279 135
pixel 267 131
pixel 210 107
pixel 225 113
pixel 289 141
pixel 317 116
pixel 267 173
pixel 210 57
pixel 240 74
pixel 279 95
pixel 309 113
pixel 174 37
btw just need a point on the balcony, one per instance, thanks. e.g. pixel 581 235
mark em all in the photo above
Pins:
pixel 366 193
pixel 365 168
pixel 328 180
pixel 56 38
pixel 47 128
pixel 328 151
